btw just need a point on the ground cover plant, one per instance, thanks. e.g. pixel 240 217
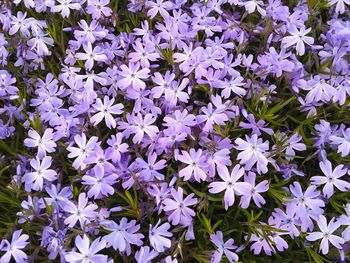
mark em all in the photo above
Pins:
pixel 174 131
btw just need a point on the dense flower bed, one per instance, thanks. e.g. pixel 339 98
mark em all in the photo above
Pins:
pixel 174 131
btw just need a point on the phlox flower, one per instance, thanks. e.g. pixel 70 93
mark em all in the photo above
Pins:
pixel 145 255
pixel 83 212
pixel 196 165
pixel 326 233
pixel 64 7
pixel 97 8
pixel 35 180
pixel 331 178
pixel 100 183
pixel 230 184
pixel 132 75
pixel 233 86
pixel 91 55
pixel 160 6
pixel 255 191
pixel 223 248
pixel 298 38
pixel 253 151
pixel 105 111
pixel 122 235
pixel 87 252
pixel 342 142
pixel 84 149
pixel 149 169
pixel 251 5
pixel 340 7
pixel 116 147
pixel 305 204
pixel 212 116
pixel 27 3
pixel 139 126
pixel 14 249
pixel 159 236
pixel 44 143
pixel 178 207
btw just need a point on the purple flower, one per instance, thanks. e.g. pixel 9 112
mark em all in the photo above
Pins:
pixel 97 8
pixel 345 221
pixel 144 53
pixel 159 7
pixel 235 86
pixel 100 183
pixel 305 204
pixel 64 7
pixel 298 38
pixel 342 142
pixel 331 178
pixel 223 248
pixel 293 143
pixel 45 143
pixel 91 55
pixel 83 151
pixel 139 126
pixel 132 75
pixel 255 126
pixel 105 111
pixel 160 193
pixel 14 249
pixel 287 220
pixel 251 5
pixel 21 23
pixel 122 235
pixel 82 212
pixel 269 242
pixel 116 147
pixel 145 255
pixel 254 192
pixel 57 196
pixel 177 207
pixel 27 3
pixel 35 180
pixel 230 184
pixel 196 165
pixel 163 83
pixel 211 116
pixel 253 151
pixel 340 8
pixel 159 236
pixel 326 234
pixel 53 241
pixel 149 169
pixel 90 33
pixel 87 253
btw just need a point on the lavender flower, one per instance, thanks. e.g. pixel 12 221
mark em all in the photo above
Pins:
pixel 196 165
pixel 331 178
pixel 83 212
pixel 223 248
pixel 87 252
pixel 14 249
pixel 253 152
pixel 326 234
pixel 230 184
pixel 177 207
pixel 159 236
pixel 122 235
pixel 298 38
pixel 44 143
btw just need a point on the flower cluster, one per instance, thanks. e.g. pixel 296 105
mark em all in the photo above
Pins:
pixel 174 131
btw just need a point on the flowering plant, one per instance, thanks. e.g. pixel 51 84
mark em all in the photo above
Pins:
pixel 174 131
